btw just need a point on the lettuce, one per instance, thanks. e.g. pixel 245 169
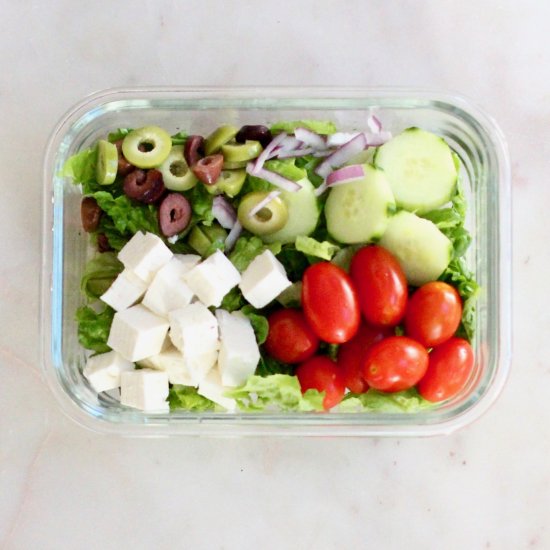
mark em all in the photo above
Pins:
pixel 80 168
pixel 269 365
pixel 201 204
pixel 407 401
pixel 286 168
pixel 99 274
pixel 119 133
pixel 179 139
pixel 259 323
pixel 94 327
pixel 324 250
pixel 187 398
pixel 276 391
pixel 247 248
pixel 324 127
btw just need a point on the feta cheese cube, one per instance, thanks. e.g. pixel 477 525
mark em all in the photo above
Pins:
pixel 103 370
pixel 212 388
pixel 171 361
pixel 239 353
pixel 125 291
pixel 263 280
pixel 144 389
pixel 137 333
pixel 168 290
pixel 213 278
pixel 194 331
pixel 188 260
pixel 145 254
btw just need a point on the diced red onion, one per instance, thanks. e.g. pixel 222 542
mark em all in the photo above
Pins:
pixel 373 122
pixel 234 234
pixel 342 155
pixel 321 189
pixel 295 153
pixel 289 144
pixel 267 152
pixel 375 140
pixel 275 179
pixel 345 174
pixel 263 203
pixel 310 138
pixel 340 138
pixel 321 154
pixel 224 212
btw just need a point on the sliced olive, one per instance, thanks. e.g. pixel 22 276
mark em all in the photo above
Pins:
pixel 230 182
pixel 90 212
pixel 175 171
pixel 124 167
pixel 202 237
pixel 219 137
pixel 208 169
pixel 144 186
pixel 103 244
pixel 268 219
pixel 234 165
pixel 193 149
pixel 147 147
pixel 174 214
pixel 241 152
pixel 255 132
pixel 107 162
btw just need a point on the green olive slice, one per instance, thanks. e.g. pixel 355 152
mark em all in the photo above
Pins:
pixel 176 174
pixel 241 152
pixel 270 218
pixel 230 182
pixel 147 147
pixel 202 238
pixel 107 162
pixel 234 165
pixel 219 137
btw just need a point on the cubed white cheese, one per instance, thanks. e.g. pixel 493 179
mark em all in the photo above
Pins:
pixel 188 260
pixel 144 389
pixel 168 290
pixel 194 331
pixel 171 361
pixel 137 333
pixel 125 291
pixel 263 280
pixel 103 370
pixel 212 388
pixel 213 278
pixel 239 353
pixel 145 254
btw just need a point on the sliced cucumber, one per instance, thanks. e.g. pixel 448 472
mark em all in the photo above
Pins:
pixel 303 214
pixel 420 247
pixel 176 174
pixel 367 155
pixel 107 162
pixel 358 211
pixel 420 168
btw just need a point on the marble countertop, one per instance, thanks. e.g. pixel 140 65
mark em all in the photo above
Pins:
pixel 61 486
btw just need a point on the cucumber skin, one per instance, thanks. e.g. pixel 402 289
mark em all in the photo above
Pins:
pixel 421 249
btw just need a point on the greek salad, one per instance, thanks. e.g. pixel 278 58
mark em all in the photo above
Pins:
pixel 290 267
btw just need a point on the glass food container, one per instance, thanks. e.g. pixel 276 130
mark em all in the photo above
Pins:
pixel 471 133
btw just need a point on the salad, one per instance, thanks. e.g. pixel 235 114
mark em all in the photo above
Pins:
pixel 295 267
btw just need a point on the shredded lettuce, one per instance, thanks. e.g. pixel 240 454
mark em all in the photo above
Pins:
pixel 258 321
pixel 99 274
pixel 407 401
pixel 119 133
pixel 187 398
pixel 81 167
pixel 277 392
pixel 269 365
pixel 179 139
pixel 94 327
pixel 201 204
pixel 247 248
pixel 324 250
pixel 324 127
pixel 286 168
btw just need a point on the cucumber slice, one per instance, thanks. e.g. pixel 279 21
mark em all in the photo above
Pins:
pixel 358 212
pixel 107 162
pixel 303 214
pixel 176 174
pixel 420 168
pixel 421 248
pixel 147 147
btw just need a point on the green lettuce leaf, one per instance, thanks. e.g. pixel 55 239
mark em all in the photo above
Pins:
pixel 309 163
pixel 233 300
pixel 258 321
pixel 201 204
pixel 294 262
pixel 99 274
pixel 269 365
pixel 94 327
pixel 247 248
pixel 187 398
pixel 286 168
pixel 276 391
pixel 324 127
pixel 312 247
pixel 81 167
pixel 407 401
pixel 179 139
pixel 119 133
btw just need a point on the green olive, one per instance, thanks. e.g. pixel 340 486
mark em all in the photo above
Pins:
pixel 147 147
pixel 107 162
pixel 234 165
pixel 241 152
pixel 219 137
pixel 202 237
pixel 230 182
pixel 176 174
pixel 270 218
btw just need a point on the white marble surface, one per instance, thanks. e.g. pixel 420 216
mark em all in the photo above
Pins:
pixel 487 486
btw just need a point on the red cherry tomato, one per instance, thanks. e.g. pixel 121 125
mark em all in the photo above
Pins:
pixel 381 285
pixel 433 313
pixel 321 373
pixel 351 355
pixel 449 368
pixel 290 339
pixel 395 363
pixel 330 302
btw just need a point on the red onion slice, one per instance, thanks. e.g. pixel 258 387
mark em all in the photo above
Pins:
pixel 234 234
pixel 310 138
pixel 340 138
pixel 374 124
pixel 289 144
pixel 342 155
pixel 295 153
pixel 264 202
pixel 272 177
pixel 377 139
pixel 224 212
pixel 346 174
pixel 267 152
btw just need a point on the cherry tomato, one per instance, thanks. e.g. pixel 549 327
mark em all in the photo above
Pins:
pixel 449 368
pixel 395 363
pixel 321 373
pixel 330 302
pixel 433 313
pixel 351 355
pixel 381 285
pixel 290 339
